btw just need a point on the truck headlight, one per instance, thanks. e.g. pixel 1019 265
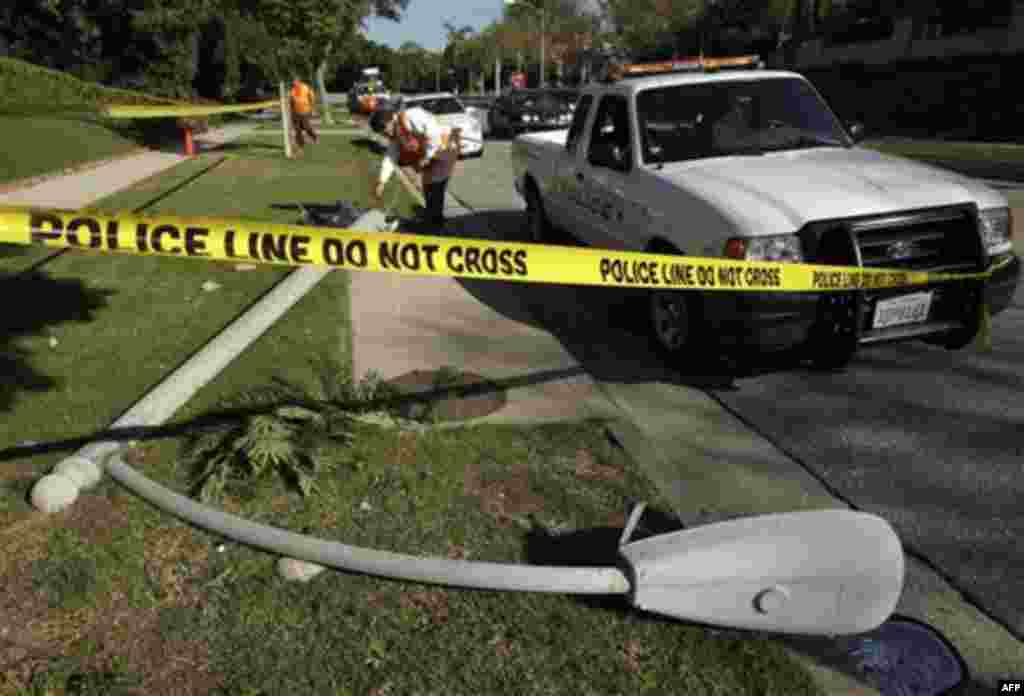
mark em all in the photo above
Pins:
pixel 996 230
pixel 783 247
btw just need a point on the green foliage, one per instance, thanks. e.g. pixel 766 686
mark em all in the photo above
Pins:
pixel 28 88
pixel 286 429
pixel 232 58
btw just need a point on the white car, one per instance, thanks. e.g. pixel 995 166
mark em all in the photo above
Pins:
pixel 451 112
pixel 753 165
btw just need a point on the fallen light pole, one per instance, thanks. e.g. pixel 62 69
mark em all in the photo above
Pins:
pixel 824 572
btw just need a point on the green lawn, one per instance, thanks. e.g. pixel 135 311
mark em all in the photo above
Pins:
pixel 34 146
pixel 491 493
pixel 127 600
pixel 952 151
pixel 101 309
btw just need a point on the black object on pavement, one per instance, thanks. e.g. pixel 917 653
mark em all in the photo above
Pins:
pixel 907 657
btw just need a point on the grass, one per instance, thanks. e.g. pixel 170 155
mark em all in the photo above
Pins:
pixel 342 120
pixel 114 597
pixel 34 146
pixel 548 494
pixel 949 150
pixel 148 313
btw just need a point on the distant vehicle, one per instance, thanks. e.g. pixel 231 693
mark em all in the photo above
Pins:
pixel 451 112
pixel 366 96
pixel 522 110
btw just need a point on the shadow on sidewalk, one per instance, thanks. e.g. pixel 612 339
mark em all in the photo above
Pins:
pixel 604 329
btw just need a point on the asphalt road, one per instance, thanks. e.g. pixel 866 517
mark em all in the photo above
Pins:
pixel 930 439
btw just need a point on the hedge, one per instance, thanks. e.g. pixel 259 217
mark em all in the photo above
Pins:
pixel 26 88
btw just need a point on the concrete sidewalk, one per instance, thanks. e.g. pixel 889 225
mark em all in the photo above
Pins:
pixel 80 189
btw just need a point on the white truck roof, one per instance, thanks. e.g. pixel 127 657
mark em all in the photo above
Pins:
pixel 632 85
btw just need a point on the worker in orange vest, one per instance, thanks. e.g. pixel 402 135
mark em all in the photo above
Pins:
pixel 418 140
pixel 302 112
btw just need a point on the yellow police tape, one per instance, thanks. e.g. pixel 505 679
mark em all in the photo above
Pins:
pixel 296 245
pixel 162 111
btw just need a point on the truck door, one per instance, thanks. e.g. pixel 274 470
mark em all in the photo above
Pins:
pixel 563 208
pixel 602 174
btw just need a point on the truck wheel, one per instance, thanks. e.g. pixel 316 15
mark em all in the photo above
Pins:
pixel 675 317
pixel 834 337
pixel 960 338
pixel 537 224
pixel 833 340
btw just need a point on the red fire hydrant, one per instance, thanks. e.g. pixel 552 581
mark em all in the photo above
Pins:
pixel 190 149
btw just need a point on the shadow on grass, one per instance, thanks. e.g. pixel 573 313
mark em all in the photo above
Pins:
pixel 51 302
pixel 227 416
pixel 244 146
pixel 369 144
pixel 11 250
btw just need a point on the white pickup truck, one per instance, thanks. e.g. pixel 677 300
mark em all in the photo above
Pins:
pixel 752 164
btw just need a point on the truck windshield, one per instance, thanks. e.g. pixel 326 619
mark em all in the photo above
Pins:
pixel 716 119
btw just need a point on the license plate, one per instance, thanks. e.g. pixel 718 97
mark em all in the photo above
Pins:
pixel 905 309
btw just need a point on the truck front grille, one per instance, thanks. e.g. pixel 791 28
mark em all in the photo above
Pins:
pixel 941 240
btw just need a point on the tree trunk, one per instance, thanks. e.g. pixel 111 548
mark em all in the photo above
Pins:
pixel 321 86
pixel 286 120
pixel 797 33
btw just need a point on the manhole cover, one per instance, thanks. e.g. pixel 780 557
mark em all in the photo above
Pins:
pixel 447 395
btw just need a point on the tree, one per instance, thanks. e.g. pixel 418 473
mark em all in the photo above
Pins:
pixel 307 33
pixel 650 28
pixel 456 37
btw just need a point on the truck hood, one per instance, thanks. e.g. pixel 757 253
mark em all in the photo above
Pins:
pixel 779 192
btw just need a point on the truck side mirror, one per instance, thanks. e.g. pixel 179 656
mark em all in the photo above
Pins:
pixel 856 131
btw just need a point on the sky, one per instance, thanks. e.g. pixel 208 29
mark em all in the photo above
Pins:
pixel 423 21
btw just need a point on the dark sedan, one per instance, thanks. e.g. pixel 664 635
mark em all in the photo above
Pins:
pixel 524 110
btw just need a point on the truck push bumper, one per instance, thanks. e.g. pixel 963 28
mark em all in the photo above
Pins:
pixel 771 322
pixel 782 321
pixel 1002 286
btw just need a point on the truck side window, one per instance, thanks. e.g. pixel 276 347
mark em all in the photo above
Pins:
pixel 611 127
pixel 579 119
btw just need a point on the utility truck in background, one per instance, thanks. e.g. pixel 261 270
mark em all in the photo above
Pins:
pixel 367 94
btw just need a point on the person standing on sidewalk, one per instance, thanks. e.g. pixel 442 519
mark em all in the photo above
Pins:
pixel 302 112
pixel 417 139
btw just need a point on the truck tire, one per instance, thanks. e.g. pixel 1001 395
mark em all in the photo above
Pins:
pixel 961 338
pixel 537 224
pixel 834 337
pixel 833 344
pixel 675 318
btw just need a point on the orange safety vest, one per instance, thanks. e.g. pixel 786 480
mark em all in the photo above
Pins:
pixel 368 103
pixel 302 98
pixel 411 147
